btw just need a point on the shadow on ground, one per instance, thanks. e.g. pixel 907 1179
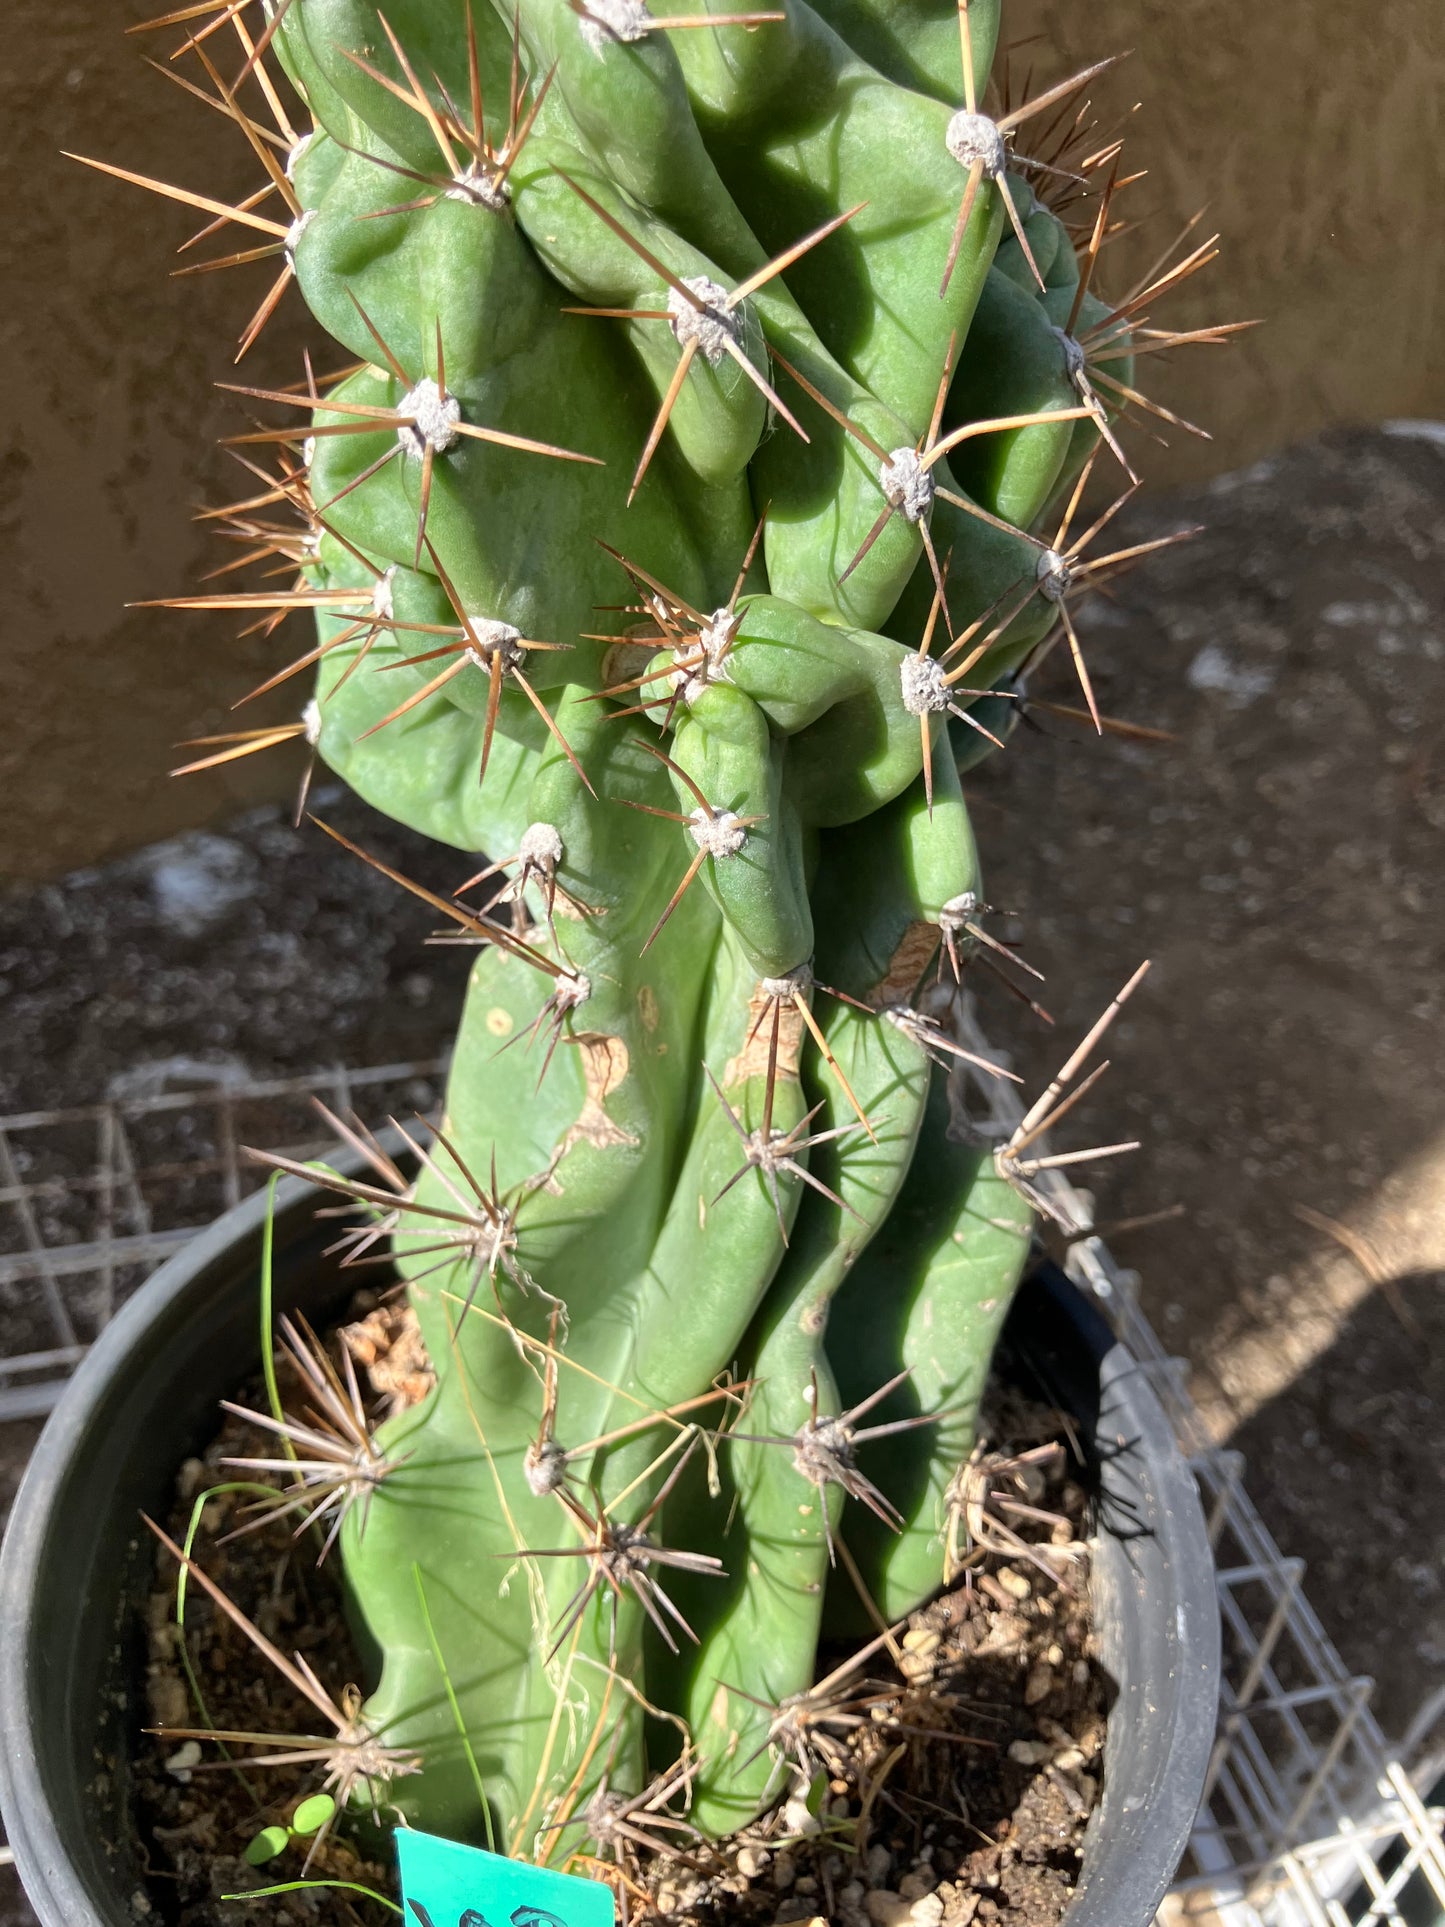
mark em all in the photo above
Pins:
pixel 1348 1456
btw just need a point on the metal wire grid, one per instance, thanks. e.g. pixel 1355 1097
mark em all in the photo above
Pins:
pixel 1308 1819
pixel 92 1199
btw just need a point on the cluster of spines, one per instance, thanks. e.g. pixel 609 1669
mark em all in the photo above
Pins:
pixel 688 653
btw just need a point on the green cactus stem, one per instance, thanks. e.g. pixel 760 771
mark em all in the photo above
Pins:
pixel 718 397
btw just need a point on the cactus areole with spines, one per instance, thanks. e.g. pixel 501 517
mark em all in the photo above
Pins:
pixel 675 324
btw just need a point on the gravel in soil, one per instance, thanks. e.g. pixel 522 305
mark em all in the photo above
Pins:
pixel 940 1777
pixel 196 1816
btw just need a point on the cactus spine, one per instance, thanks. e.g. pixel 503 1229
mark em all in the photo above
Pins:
pixel 718 383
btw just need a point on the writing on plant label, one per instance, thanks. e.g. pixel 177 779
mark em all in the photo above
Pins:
pixel 445 1884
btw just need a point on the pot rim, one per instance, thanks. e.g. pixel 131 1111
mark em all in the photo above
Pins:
pixel 1135 1839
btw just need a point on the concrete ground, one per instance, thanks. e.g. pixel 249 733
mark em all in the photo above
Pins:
pixel 1279 863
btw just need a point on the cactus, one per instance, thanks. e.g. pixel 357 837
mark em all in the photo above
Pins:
pixel 723 390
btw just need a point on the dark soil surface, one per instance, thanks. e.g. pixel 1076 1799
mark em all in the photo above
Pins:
pixel 963 1793
pixel 1279 862
pixel 953 1771
pixel 196 1819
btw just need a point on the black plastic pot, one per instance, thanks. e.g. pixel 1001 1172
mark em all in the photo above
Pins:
pixel 76 1560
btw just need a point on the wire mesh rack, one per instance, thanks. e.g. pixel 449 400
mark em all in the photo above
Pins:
pixel 92 1199
pixel 1310 1819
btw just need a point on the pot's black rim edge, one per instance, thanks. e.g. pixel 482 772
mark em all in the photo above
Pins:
pixel 1182 1540
pixel 29 1829
pixel 1178 1542
pixel 35 1840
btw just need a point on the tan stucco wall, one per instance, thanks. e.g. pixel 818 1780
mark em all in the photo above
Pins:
pixel 1314 131
pixel 1315 135
pixel 108 424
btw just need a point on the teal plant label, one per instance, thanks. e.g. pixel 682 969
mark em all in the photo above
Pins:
pixel 444 1884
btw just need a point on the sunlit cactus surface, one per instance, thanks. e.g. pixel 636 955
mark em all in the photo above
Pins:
pixel 698 478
